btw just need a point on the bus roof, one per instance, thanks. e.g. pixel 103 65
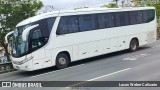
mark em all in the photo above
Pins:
pixel 78 12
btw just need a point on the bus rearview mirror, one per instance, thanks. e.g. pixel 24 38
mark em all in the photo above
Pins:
pixel 7 36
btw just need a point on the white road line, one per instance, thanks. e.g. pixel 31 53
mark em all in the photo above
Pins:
pixel 100 77
pixel 57 71
pixel 108 74
pixel 156 46
pixel 136 57
pixel 130 59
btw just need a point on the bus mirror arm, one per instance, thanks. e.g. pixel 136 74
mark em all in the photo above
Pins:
pixel 6 37
pixel 27 30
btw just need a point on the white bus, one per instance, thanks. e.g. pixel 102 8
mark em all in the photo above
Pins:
pixel 58 38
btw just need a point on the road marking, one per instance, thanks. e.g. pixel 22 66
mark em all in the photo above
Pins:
pixel 156 46
pixel 136 57
pixel 100 77
pixel 108 74
pixel 56 71
pixel 131 59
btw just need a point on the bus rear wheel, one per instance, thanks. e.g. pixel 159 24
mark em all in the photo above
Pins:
pixel 62 61
pixel 133 45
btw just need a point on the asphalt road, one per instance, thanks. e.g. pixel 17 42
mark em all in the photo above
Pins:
pixel 142 65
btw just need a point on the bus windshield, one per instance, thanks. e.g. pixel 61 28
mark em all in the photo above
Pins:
pixel 36 39
pixel 20 47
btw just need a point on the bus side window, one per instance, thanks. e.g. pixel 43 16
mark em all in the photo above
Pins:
pixel 87 22
pixel 148 15
pixel 151 15
pixel 121 19
pixel 37 39
pixel 62 27
pixel 135 17
pixel 105 20
pixel 145 16
pixel 68 24
pixel 50 23
pixel 72 24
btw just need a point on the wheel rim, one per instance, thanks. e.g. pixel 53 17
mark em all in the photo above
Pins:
pixel 133 45
pixel 62 61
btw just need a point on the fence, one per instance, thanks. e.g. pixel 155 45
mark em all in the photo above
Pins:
pixel 158 31
pixel 5 65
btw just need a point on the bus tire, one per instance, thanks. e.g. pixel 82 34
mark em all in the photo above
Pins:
pixel 62 61
pixel 133 45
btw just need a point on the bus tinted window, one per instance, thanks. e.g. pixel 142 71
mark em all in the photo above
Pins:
pixel 148 15
pixel 87 22
pixel 37 39
pixel 62 27
pixel 50 22
pixel 72 24
pixel 45 26
pixel 105 20
pixel 135 17
pixel 40 35
pixel 68 25
pixel 145 16
pixel 121 18
pixel 151 15
pixel 80 23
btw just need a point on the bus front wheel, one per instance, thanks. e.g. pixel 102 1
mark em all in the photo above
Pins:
pixel 133 45
pixel 62 61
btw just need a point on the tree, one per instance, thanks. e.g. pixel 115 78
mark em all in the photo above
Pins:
pixel 157 6
pixel 116 2
pixel 142 3
pixel 12 12
pixel 111 5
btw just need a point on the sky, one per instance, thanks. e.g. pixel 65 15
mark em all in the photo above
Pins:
pixel 71 4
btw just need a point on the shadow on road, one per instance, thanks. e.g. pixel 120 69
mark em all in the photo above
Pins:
pixel 84 61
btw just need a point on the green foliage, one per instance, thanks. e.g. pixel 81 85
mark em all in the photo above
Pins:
pixel 14 11
pixel 111 5
pixel 142 3
pixel 116 2
pixel 2 35
pixel 157 6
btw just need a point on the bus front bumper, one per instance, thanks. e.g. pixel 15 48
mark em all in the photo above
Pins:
pixel 27 66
